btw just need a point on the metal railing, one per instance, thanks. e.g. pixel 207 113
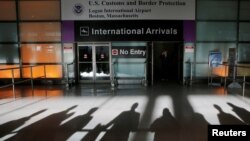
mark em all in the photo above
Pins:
pixel 68 77
pixel 114 77
pixel 190 79
pixel 31 79
pixel 236 77
pixel 244 85
pixel 220 70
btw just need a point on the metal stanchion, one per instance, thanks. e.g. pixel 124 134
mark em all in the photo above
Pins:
pixel 145 72
pixel 211 75
pixel 244 86
pixel 13 83
pixel 225 77
pixel 112 75
pixel 45 77
pixel 32 83
pixel 234 84
pixel 67 75
pixel 191 74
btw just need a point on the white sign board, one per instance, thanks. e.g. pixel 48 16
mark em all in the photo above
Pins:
pixel 128 9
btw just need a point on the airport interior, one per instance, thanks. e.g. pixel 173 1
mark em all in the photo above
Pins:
pixel 123 70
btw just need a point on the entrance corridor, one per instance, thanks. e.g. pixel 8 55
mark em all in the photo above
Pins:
pixel 129 113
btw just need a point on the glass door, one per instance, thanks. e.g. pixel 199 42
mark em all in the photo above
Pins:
pixel 94 62
pixel 85 63
pixel 102 63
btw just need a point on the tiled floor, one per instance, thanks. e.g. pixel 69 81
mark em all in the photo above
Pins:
pixel 166 111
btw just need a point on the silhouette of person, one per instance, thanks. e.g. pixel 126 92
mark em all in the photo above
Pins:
pixel 226 118
pixel 164 64
pixel 241 112
pixel 44 129
pixel 76 124
pixel 166 127
pixel 8 127
pixel 123 124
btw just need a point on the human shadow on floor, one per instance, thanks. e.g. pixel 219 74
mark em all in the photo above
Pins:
pixel 193 125
pixel 196 128
pixel 10 126
pixel 44 129
pixel 165 127
pixel 72 126
pixel 227 118
pixel 93 134
pixel 122 125
pixel 241 112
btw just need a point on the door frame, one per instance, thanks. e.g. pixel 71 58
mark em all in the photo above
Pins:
pixel 180 59
pixel 94 45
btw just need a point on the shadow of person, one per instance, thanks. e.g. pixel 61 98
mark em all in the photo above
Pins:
pixel 166 127
pixel 76 124
pixel 93 134
pixel 226 118
pixel 44 129
pixel 10 126
pixel 122 125
pixel 241 112
pixel 196 128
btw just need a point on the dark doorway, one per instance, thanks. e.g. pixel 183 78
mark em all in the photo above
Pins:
pixel 167 61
